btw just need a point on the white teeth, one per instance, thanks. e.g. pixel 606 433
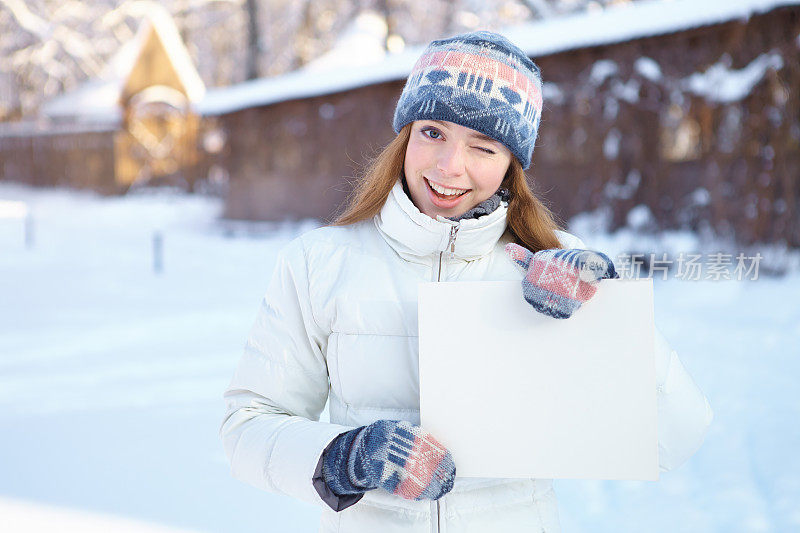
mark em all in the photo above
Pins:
pixel 445 190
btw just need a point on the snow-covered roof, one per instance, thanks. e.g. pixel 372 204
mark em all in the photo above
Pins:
pixel 161 21
pixel 98 100
pixel 29 128
pixel 93 101
pixel 626 22
pixel 593 28
pixel 304 84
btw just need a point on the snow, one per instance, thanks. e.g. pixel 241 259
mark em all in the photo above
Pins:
pixel 610 108
pixel 553 35
pixel 639 217
pixel 632 21
pixel 628 91
pixel 611 144
pixel 648 68
pixel 29 21
pixel 719 83
pixel 306 84
pixel 13 209
pixel 157 18
pixel 97 100
pixel 639 235
pixel 552 93
pixel 361 43
pixel 36 127
pixel 601 70
pixel 26 517
pixel 624 190
pixel 701 196
pixel 94 101
pixel 111 376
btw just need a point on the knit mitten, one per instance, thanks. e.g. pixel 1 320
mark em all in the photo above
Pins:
pixel 558 281
pixel 399 457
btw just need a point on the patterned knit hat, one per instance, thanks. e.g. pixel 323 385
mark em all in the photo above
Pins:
pixel 479 80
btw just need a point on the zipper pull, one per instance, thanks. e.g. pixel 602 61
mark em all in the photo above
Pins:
pixel 452 243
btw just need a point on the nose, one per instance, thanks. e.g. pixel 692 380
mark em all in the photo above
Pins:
pixel 451 160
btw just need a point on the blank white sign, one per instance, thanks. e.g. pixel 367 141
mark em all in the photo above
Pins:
pixel 514 393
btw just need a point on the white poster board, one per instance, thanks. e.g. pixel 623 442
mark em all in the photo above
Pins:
pixel 514 393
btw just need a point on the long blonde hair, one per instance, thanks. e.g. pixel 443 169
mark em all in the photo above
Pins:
pixel 530 222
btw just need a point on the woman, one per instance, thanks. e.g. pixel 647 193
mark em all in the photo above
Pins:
pixel 446 200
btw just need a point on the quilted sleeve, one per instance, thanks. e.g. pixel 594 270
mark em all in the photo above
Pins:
pixel 271 431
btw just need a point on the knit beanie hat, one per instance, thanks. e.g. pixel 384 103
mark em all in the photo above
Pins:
pixel 479 80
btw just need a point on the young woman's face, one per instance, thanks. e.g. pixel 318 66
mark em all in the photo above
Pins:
pixel 450 168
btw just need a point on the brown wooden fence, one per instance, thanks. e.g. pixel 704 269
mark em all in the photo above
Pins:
pixel 71 156
pixel 661 121
pixel 702 126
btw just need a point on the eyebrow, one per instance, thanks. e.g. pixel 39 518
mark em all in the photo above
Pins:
pixel 474 134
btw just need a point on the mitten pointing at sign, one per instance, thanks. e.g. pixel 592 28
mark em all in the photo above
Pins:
pixel 558 281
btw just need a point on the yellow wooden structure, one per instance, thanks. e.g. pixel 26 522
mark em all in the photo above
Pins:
pixel 159 129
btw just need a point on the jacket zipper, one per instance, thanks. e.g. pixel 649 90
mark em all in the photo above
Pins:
pixel 451 250
pixel 437 525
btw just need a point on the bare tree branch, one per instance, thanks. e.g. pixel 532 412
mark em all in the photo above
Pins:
pixel 27 20
pixel 253 39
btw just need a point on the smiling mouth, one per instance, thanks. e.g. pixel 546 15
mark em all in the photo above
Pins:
pixel 445 193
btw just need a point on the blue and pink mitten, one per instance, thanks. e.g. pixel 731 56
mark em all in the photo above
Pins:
pixel 399 457
pixel 558 281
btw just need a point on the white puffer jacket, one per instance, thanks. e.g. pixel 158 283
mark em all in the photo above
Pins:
pixel 339 321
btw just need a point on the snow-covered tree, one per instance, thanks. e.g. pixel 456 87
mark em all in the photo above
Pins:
pixel 51 46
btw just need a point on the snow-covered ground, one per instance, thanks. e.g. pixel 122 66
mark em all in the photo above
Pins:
pixel 111 379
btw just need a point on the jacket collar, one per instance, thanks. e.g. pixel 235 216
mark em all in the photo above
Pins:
pixel 414 235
